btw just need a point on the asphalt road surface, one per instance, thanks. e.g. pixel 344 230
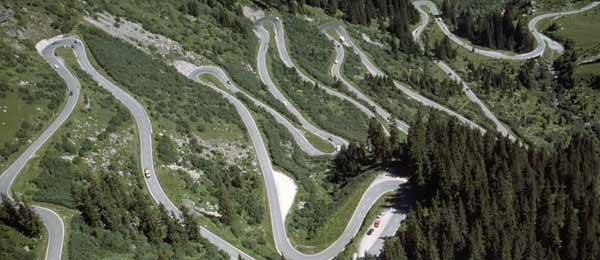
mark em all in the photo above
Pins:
pixel 55 231
pixel 263 72
pixel 297 134
pixel 263 35
pixel 376 190
pixel 336 72
pixel 54 225
pixel 145 134
pixel 541 39
pixel 375 71
pixel 500 127
pixel 381 186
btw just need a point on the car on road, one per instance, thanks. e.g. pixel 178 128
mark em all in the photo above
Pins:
pixel 229 82
pixel 147 173
pixel 377 222
pixel 56 66
pixel 335 61
pixel 370 232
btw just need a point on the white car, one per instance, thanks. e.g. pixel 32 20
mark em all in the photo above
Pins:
pixel 335 61
pixel 147 173
pixel 56 66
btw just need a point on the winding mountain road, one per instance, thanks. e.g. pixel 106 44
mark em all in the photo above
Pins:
pixel 263 72
pixel 285 57
pixel 500 127
pixel 542 40
pixel 53 223
pixel 145 134
pixel 336 72
pixel 375 71
pixel 222 76
pixel 382 185
pixel 280 42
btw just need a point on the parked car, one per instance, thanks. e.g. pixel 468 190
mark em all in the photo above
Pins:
pixel 377 222
pixel 370 232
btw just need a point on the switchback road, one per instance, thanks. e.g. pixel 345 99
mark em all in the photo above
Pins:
pixel 145 134
pixel 375 71
pixel 382 185
pixel 336 72
pixel 55 229
pixel 298 135
pixel 541 40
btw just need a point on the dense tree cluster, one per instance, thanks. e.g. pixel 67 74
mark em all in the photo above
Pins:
pixel 483 197
pixel 355 11
pixel 224 11
pixel 443 50
pixel 402 16
pixel 424 81
pixel 397 14
pixel 21 217
pixel 491 77
pixel 494 30
pixel 381 148
pixel 563 69
pixel 167 93
pixel 107 202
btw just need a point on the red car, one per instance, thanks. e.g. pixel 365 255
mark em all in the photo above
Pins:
pixel 377 222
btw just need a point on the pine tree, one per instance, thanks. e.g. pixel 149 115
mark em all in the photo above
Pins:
pixel 395 143
pixel 227 208
pixel 191 227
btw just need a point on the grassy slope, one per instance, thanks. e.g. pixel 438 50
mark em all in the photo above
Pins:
pixel 331 113
pixel 29 92
pixel 393 101
pixel 329 205
pixel 309 48
pixel 584 30
pixel 14 245
pixel 35 185
pixel 224 130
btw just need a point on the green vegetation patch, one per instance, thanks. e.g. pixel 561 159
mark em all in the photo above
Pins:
pixel 167 95
pixel 30 95
pixel 322 208
pixel 583 29
pixel 15 245
pixel 332 113
pixel 309 47
pixel 91 166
